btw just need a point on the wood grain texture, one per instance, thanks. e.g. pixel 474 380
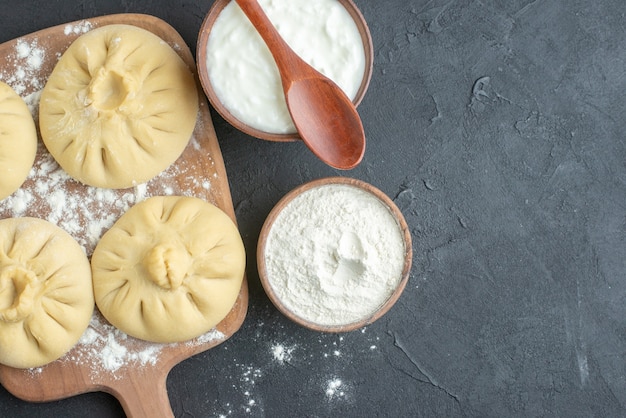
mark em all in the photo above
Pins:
pixel 140 389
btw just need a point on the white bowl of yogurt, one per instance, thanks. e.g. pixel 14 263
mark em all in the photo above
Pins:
pixel 240 77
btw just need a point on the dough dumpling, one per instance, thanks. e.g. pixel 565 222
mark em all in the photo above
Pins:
pixel 119 107
pixel 18 140
pixel 46 293
pixel 170 269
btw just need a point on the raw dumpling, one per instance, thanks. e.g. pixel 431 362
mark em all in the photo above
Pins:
pixel 119 107
pixel 18 140
pixel 46 293
pixel 170 269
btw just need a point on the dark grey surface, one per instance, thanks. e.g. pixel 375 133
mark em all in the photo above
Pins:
pixel 497 127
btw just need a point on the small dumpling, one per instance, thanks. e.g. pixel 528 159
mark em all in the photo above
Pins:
pixel 119 107
pixel 18 140
pixel 46 293
pixel 170 269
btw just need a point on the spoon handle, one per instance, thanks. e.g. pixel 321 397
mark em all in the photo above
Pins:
pixel 290 66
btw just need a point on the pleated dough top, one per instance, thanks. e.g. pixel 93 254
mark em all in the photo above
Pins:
pixel 18 140
pixel 46 293
pixel 170 269
pixel 119 107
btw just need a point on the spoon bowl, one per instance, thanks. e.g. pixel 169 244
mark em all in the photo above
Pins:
pixel 226 113
pixel 331 129
pixel 326 119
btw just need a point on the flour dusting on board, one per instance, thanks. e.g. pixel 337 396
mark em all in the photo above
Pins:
pixel 26 60
pixel 107 350
pixel 79 28
pixel 23 66
pixel 85 212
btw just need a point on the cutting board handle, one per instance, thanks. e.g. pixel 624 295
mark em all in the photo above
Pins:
pixel 143 397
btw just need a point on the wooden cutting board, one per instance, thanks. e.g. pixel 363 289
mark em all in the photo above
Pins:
pixel 105 359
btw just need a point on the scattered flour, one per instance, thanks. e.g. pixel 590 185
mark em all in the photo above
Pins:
pixel 213 335
pixel 335 388
pixel 79 28
pixel 246 385
pixel 335 349
pixel 281 353
pixel 102 347
pixel 84 212
pixel 32 101
pixel 106 349
pixel 250 374
pixel 248 381
pixel 22 69
pixel 36 371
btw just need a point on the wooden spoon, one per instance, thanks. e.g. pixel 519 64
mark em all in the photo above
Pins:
pixel 324 116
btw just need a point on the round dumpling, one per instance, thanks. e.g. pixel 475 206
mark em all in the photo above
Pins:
pixel 18 140
pixel 46 293
pixel 119 107
pixel 170 269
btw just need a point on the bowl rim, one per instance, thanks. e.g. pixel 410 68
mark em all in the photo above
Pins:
pixel 205 82
pixel 288 198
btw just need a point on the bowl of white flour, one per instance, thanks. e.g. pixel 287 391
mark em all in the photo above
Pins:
pixel 241 79
pixel 334 254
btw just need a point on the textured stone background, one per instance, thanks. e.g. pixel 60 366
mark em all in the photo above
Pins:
pixel 497 127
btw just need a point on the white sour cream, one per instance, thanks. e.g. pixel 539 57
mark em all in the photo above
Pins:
pixel 244 75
